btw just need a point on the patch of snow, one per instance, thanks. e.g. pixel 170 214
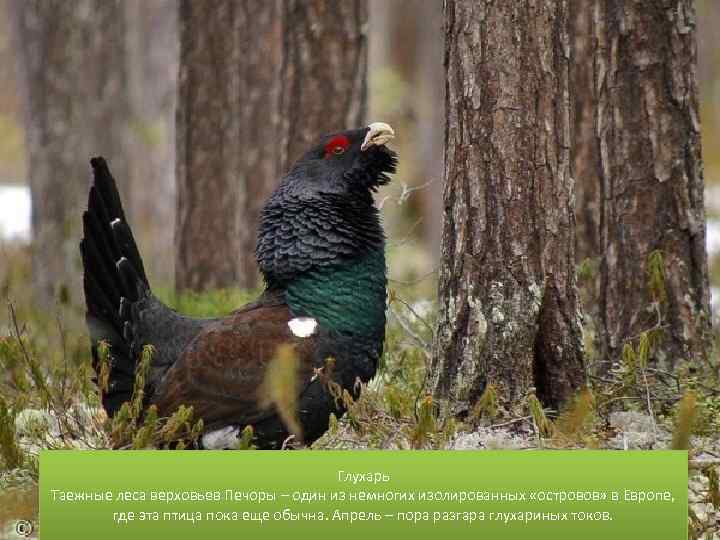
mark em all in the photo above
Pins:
pixel 15 213
pixel 712 195
pixel 715 303
pixel 221 439
pixel 712 237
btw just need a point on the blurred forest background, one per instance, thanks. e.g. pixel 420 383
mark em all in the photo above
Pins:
pixel 123 81
pixel 128 115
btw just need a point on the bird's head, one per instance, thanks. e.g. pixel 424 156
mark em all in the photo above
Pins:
pixel 345 162
pixel 322 215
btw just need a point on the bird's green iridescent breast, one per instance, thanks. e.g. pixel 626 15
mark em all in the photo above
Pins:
pixel 348 299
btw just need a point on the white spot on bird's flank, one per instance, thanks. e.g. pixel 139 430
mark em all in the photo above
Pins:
pixel 116 221
pixel 302 326
pixel 221 439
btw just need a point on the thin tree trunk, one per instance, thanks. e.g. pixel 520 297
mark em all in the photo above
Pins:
pixel 324 72
pixel 406 46
pixel 430 119
pixel 153 54
pixel 508 302
pixel 584 158
pixel 708 75
pixel 260 88
pixel 71 63
pixel 226 138
pixel 648 135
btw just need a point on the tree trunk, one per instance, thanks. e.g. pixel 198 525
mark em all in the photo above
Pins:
pixel 708 76
pixel 226 138
pixel 648 139
pixel 324 72
pixel 584 158
pixel 405 52
pixel 430 124
pixel 508 302
pixel 260 88
pixel 71 63
pixel 153 54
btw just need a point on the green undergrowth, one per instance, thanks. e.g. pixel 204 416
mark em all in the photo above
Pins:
pixel 48 388
pixel 49 398
pixel 208 304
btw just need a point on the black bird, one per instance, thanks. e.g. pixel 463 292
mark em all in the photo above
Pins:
pixel 320 248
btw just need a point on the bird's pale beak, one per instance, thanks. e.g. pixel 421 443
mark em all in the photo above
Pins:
pixel 378 133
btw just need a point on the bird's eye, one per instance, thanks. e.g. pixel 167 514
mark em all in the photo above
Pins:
pixel 337 145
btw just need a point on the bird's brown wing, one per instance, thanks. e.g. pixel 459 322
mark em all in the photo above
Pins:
pixel 221 372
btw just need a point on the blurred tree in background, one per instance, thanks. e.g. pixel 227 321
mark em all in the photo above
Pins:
pixel 152 68
pixel 113 67
pixel 71 61
pixel 258 83
pixel 584 157
pixel 324 72
pixel 407 89
pixel 226 138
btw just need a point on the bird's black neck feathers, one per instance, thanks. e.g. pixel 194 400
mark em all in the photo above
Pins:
pixel 324 245
pixel 298 235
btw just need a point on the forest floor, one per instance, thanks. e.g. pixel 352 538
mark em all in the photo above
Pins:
pixel 47 400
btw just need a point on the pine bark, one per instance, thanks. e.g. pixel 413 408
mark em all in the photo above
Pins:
pixel 71 65
pixel 324 72
pixel 647 133
pixel 508 301
pixel 226 138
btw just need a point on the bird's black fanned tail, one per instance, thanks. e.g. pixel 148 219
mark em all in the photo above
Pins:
pixel 114 279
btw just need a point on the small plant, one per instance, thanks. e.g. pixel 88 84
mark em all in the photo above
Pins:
pixel 687 409
pixel 543 425
pixel 246 439
pixel 144 436
pixel 656 276
pixel 487 405
pixel 9 451
pixel 574 424
pixel 426 424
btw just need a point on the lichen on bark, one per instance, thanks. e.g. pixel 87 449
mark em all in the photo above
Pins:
pixel 508 302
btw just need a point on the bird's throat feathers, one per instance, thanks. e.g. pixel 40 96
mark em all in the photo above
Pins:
pixel 327 254
pixel 348 299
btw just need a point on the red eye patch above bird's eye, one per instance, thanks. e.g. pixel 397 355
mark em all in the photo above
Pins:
pixel 336 145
